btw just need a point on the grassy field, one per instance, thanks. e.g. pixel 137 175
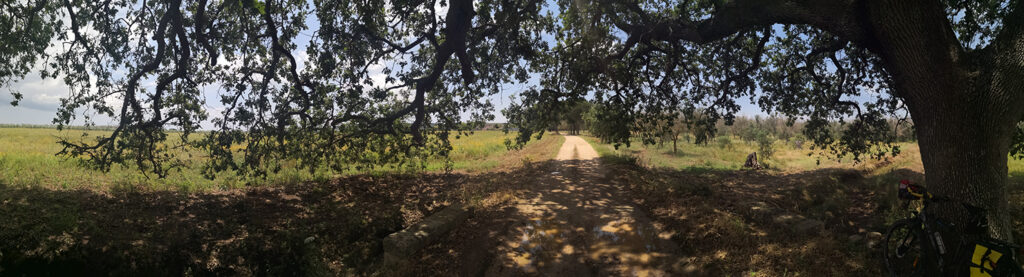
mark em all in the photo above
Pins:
pixel 732 220
pixel 27 159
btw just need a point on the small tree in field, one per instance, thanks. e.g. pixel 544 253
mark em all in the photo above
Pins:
pixel 765 146
pixel 663 129
pixel 678 129
pixel 724 142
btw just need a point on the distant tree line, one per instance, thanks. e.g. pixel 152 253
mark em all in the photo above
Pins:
pixel 749 128
pixel 606 124
pixel 45 126
pixel 572 119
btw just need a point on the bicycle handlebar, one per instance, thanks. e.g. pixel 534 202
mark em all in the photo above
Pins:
pixel 910 191
pixel 977 220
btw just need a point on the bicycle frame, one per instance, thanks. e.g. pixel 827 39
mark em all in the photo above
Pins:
pixel 934 246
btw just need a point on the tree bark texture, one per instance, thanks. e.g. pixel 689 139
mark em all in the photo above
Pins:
pixel 964 104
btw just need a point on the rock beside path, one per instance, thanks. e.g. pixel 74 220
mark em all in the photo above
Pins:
pixel 401 245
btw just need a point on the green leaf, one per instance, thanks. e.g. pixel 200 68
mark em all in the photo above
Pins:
pixel 17 98
pixel 260 6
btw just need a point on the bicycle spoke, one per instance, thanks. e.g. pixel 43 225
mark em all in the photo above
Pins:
pixel 902 251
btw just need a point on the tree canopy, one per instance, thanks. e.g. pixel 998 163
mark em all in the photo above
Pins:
pixel 326 82
pixel 814 61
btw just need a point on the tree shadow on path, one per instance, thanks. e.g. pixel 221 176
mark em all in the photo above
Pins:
pixel 570 221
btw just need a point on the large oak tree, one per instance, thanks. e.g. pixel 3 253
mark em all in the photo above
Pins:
pixel 957 68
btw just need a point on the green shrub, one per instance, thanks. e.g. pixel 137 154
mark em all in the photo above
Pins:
pixel 622 159
pixel 765 146
pixel 724 142
pixel 798 141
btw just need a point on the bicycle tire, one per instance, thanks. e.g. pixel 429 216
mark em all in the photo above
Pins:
pixel 901 249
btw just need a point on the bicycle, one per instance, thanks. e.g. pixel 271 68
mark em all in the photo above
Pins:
pixel 906 255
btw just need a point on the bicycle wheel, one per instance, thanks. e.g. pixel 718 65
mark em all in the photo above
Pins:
pixel 902 249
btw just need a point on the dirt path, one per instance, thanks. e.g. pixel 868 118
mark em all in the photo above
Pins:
pixel 573 222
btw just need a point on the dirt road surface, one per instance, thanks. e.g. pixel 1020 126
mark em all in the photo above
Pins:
pixel 571 222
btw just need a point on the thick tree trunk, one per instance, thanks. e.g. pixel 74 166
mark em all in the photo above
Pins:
pixel 965 159
pixel 964 104
pixel 964 139
pixel 964 150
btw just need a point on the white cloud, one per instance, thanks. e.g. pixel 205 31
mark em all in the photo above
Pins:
pixel 301 57
pixel 39 94
pixel 377 75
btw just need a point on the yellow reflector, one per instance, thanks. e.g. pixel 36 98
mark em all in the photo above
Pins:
pixel 976 272
pixel 982 261
pixel 994 258
pixel 979 252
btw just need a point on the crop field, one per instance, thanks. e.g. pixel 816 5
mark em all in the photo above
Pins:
pixel 27 159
